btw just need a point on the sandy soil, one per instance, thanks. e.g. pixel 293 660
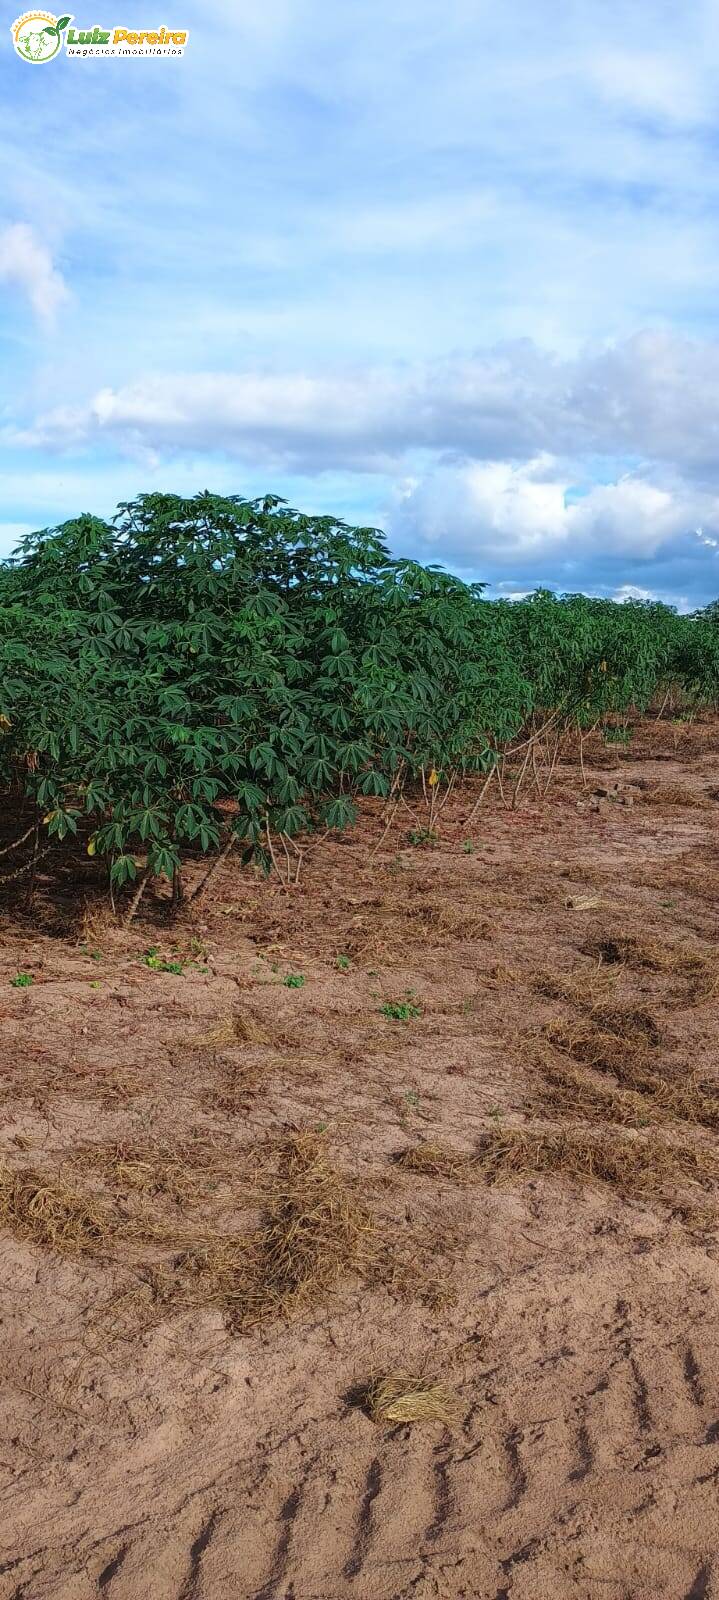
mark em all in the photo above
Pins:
pixel 150 1450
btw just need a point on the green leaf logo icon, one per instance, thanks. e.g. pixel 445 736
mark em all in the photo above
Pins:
pixel 37 40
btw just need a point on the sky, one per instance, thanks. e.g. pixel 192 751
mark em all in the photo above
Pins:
pixel 451 270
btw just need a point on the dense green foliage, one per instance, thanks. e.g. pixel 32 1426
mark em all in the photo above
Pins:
pixel 215 650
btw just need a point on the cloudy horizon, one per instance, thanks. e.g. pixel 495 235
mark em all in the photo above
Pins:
pixel 451 274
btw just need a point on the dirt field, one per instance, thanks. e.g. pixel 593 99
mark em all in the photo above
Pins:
pixel 227 1203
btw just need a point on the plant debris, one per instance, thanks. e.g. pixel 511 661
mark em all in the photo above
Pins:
pixel 398 1397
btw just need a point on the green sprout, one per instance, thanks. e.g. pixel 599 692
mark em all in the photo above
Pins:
pixel 402 1010
pixel 157 963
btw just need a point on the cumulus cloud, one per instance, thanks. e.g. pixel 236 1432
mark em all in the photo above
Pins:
pixel 654 397
pixel 517 511
pixel 631 538
pixel 510 463
pixel 27 264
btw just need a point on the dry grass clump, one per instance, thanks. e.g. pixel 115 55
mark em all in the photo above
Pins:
pixel 698 967
pixel 586 1156
pixel 691 1100
pixel 626 1057
pixel 315 1232
pixel 456 922
pixel 634 1166
pixel 433 1161
pixel 622 1040
pixel 586 987
pixel 688 874
pixel 567 1091
pixel 631 950
pixel 582 902
pixel 592 991
pixel 628 1022
pixel 570 1092
pixel 686 1098
pixel 521 888
pixel 96 921
pixel 50 1214
pixel 182 1172
pixel 240 1028
pixel 500 976
pixel 394 921
pixel 399 1397
pixel 676 794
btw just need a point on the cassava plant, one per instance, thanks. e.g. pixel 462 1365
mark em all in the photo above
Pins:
pixel 207 674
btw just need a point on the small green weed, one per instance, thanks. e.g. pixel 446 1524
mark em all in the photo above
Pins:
pixel 343 963
pixel 157 963
pixel 22 980
pixel 402 1010
pixel 294 980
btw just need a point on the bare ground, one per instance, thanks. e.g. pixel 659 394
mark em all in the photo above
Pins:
pixel 226 1204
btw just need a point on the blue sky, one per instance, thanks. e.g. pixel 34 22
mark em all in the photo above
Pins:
pixel 451 270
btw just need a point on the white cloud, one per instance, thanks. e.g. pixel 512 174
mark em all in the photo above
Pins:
pixel 26 263
pixel 493 516
pixel 653 397
pixel 630 591
pixel 488 508
pixel 635 517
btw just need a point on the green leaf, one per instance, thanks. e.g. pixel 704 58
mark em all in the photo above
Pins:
pixel 341 813
pixel 123 870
